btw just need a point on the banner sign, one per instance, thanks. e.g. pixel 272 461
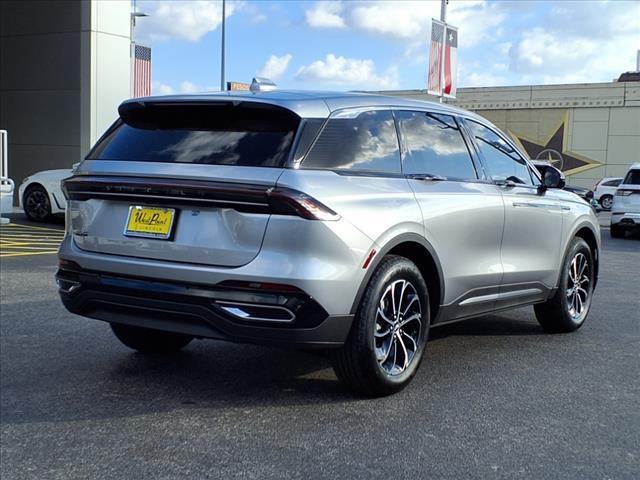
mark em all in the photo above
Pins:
pixel 237 86
pixel 443 60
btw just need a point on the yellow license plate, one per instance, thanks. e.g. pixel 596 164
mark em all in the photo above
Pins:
pixel 151 222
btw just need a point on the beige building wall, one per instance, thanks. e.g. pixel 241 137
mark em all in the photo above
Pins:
pixel 64 69
pixel 599 123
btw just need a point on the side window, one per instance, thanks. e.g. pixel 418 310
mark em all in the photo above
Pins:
pixel 368 142
pixel 434 144
pixel 501 158
pixel 612 183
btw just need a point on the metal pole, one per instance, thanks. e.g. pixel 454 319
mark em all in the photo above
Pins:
pixel 443 19
pixel 222 84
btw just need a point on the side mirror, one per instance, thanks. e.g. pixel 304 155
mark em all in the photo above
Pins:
pixel 553 178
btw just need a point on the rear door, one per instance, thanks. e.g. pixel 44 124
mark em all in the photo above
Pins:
pixel 182 182
pixel 463 214
pixel 533 220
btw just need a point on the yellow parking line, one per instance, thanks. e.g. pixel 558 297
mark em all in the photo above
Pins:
pixel 18 225
pixel 31 239
pixel 17 240
pixel 28 247
pixel 22 254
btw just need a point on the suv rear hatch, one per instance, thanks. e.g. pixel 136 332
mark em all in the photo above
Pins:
pixel 627 198
pixel 184 182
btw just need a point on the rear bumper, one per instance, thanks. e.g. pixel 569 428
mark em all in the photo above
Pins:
pixel 626 220
pixel 199 310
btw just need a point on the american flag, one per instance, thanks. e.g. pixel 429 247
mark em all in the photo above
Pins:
pixel 142 71
pixel 434 86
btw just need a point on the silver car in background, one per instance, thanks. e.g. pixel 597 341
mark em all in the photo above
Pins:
pixel 340 221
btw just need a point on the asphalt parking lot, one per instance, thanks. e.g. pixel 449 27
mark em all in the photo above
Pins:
pixel 494 398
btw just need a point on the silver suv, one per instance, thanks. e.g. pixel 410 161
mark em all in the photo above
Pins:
pixel 347 222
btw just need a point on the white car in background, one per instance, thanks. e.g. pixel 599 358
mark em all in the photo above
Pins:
pixel 604 191
pixel 625 211
pixel 40 195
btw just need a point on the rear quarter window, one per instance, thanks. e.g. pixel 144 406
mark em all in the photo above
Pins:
pixel 366 143
pixel 632 178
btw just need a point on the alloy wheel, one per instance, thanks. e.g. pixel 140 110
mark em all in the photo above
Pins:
pixel 578 287
pixel 37 204
pixel 607 202
pixel 398 327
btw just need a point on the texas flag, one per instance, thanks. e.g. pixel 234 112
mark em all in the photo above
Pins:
pixel 443 60
pixel 450 62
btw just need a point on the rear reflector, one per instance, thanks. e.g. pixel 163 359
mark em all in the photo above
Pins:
pixel 264 286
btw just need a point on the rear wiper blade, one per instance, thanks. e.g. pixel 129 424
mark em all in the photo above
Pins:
pixel 428 177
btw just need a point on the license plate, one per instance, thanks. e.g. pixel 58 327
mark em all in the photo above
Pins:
pixel 150 222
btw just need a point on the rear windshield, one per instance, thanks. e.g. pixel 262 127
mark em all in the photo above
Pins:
pixel 632 178
pixel 255 135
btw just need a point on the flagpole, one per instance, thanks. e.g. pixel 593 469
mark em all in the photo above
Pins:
pixel 222 85
pixel 443 19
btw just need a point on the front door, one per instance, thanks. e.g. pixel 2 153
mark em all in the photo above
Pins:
pixel 531 241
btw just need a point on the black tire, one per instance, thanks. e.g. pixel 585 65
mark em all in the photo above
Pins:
pixel 560 313
pixel 356 363
pixel 146 340
pixel 606 201
pixel 36 204
pixel 617 232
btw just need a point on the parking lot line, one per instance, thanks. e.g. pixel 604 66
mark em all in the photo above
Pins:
pixel 17 240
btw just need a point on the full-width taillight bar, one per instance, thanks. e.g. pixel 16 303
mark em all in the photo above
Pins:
pixel 286 201
pixel 238 196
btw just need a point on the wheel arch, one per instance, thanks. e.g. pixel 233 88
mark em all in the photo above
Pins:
pixel 30 187
pixel 587 234
pixel 417 249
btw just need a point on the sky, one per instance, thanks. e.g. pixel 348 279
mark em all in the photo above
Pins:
pixel 384 45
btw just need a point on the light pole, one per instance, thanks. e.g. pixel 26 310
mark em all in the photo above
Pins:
pixel 222 84
pixel 443 19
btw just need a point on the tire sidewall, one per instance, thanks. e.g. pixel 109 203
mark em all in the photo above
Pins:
pixel 396 270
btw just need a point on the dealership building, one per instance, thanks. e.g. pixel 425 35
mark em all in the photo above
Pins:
pixel 65 67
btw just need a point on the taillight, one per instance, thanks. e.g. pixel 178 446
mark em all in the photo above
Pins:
pixel 623 193
pixel 285 201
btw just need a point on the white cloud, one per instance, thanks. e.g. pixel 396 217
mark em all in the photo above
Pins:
pixel 579 42
pixel 275 66
pixel 544 56
pixel 411 20
pixel 325 15
pixel 356 73
pixel 158 88
pixel 189 87
pixel 186 86
pixel 182 20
